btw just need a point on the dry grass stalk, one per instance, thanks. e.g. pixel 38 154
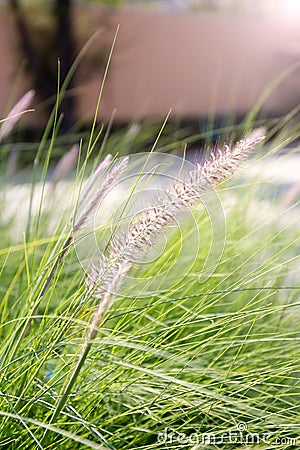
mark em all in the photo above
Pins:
pixel 15 113
pixel 65 165
pixel 93 179
pixel 63 244
pixel 109 271
pixel 93 200
pixel 107 277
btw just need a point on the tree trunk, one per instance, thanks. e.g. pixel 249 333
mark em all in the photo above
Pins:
pixel 44 80
pixel 65 52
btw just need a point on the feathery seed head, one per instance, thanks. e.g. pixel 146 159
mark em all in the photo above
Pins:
pixel 15 113
pixel 151 222
pixel 65 164
pixel 110 178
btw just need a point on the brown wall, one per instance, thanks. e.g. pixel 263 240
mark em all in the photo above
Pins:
pixel 194 64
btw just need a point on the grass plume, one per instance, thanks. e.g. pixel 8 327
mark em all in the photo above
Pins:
pixel 14 115
pixel 106 279
pixel 181 195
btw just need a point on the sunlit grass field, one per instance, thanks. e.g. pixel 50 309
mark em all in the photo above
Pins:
pixel 201 362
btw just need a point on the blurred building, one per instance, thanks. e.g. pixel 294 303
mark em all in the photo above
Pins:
pixel 197 64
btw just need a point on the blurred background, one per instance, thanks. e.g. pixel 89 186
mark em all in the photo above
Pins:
pixel 200 58
pixel 220 66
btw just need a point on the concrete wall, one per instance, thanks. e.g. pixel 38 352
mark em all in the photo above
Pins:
pixel 195 64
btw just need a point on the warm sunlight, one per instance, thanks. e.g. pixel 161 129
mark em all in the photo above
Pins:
pixel 284 9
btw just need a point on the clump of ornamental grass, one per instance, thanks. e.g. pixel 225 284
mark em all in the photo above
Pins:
pixel 200 359
pixel 152 222
pixel 107 276
pixel 208 359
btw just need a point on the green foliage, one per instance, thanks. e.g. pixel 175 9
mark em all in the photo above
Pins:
pixel 195 359
pixel 199 358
